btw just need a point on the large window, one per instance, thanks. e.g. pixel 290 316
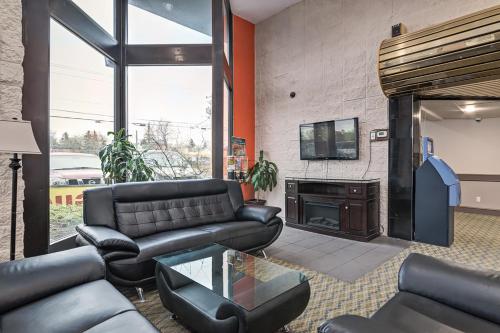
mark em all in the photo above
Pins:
pixel 172 22
pixel 81 114
pixel 156 68
pixel 170 116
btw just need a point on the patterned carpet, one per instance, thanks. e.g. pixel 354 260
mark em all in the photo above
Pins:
pixel 477 244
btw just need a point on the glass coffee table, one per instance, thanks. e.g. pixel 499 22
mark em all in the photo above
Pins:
pixel 213 288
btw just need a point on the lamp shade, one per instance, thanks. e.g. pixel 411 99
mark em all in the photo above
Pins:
pixel 16 136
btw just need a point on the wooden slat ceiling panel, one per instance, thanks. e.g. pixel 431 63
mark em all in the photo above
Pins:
pixel 483 89
pixel 460 52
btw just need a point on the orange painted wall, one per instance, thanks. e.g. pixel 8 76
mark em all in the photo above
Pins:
pixel 244 88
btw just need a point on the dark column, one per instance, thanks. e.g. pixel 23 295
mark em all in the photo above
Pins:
pixel 120 68
pixel 217 88
pixel 404 156
pixel 36 40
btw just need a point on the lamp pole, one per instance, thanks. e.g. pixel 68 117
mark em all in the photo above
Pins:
pixel 14 165
pixel 16 137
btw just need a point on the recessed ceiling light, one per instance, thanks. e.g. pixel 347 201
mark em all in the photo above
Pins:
pixel 470 108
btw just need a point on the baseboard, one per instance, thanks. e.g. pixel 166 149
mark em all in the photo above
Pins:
pixel 473 210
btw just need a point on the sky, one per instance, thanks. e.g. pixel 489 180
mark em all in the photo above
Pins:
pixel 81 90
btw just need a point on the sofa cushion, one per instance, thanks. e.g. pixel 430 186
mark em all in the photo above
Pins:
pixel 171 241
pixel 169 189
pixel 233 229
pixel 252 241
pixel 242 235
pixel 73 310
pixel 142 266
pixel 239 235
pixel 130 321
pixel 410 313
pixel 137 219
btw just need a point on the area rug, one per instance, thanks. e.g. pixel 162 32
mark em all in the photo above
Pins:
pixel 477 244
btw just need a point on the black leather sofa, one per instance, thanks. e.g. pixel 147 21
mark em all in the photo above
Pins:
pixel 64 292
pixel 132 223
pixel 434 296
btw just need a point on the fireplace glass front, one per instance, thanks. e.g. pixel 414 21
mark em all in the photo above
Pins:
pixel 323 215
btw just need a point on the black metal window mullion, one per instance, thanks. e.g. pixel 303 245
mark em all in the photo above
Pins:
pixel 69 15
pixel 168 55
pixel 36 40
pixel 229 76
pixel 121 14
pixel 217 89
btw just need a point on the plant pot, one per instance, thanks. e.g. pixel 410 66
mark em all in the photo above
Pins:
pixel 257 202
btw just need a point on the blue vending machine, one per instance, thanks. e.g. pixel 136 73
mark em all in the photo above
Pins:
pixel 437 193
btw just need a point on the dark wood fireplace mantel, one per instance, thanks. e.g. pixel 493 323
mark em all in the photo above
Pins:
pixel 340 207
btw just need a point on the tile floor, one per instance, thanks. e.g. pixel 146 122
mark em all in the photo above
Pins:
pixel 343 259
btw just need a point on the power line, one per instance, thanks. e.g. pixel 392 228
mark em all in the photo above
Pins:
pixel 188 124
pixel 111 121
pixel 110 116
pixel 110 80
pixel 77 69
pixel 89 119
pixel 81 112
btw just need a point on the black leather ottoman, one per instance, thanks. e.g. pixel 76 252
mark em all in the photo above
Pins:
pixel 216 289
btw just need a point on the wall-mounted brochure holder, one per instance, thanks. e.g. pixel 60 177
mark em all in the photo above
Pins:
pixel 237 168
pixel 237 163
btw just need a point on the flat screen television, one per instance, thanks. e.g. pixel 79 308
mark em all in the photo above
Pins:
pixel 330 140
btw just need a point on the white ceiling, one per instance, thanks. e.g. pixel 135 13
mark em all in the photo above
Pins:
pixel 457 109
pixel 257 11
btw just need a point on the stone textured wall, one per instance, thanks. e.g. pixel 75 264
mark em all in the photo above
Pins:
pixel 326 51
pixel 11 82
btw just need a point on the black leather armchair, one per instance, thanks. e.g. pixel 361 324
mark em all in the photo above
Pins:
pixel 132 223
pixel 64 292
pixel 434 296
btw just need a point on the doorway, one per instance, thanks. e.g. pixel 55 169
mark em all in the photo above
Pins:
pixel 466 135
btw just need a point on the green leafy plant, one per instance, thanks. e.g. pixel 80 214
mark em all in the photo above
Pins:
pixel 263 175
pixel 122 162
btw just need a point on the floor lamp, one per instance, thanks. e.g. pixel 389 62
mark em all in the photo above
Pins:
pixel 16 137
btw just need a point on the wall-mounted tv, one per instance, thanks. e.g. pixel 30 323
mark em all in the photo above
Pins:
pixel 330 140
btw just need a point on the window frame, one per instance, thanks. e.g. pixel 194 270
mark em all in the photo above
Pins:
pixel 36 25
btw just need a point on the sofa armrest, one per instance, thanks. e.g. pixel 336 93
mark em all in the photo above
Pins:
pixel 472 291
pixel 27 280
pixel 354 324
pixel 107 239
pixel 264 214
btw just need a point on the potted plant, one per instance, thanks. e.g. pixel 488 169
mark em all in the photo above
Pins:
pixel 122 162
pixel 263 177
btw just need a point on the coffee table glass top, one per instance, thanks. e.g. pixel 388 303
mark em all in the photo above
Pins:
pixel 241 278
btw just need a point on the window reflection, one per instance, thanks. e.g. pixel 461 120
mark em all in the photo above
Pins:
pixel 170 22
pixel 226 33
